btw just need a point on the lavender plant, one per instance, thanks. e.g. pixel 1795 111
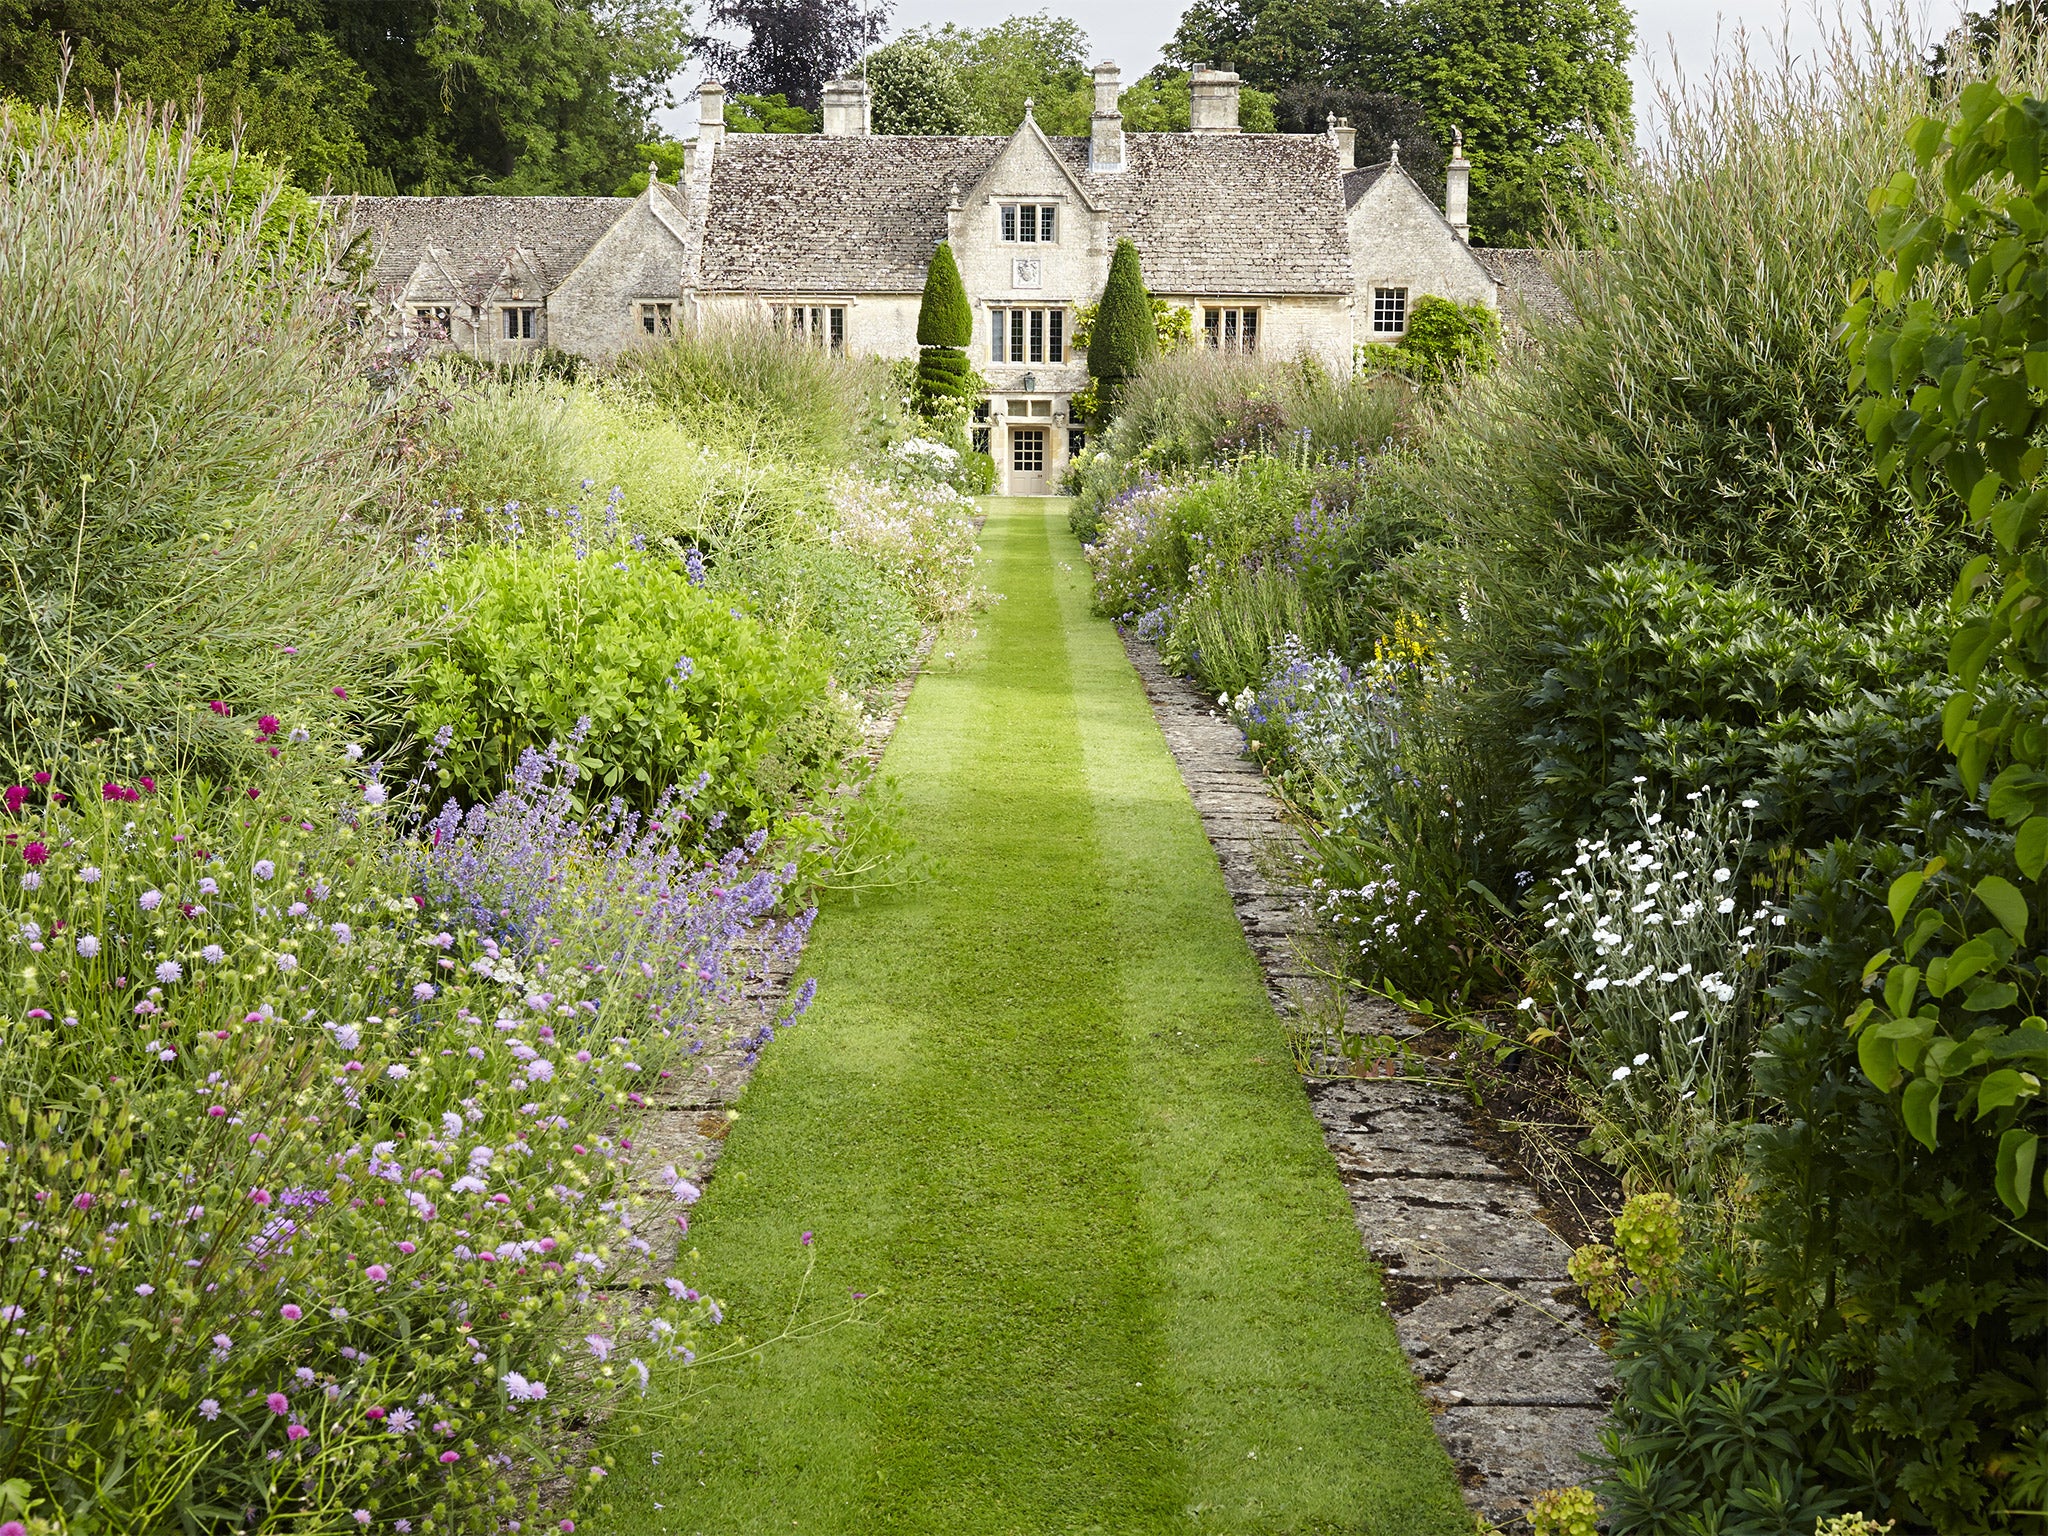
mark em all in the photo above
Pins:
pixel 318 1143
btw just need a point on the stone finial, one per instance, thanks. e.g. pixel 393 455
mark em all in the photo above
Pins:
pixel 653 176
pixel 1394 153
pixel 1027 110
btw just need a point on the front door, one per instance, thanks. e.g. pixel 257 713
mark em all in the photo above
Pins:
pixel 1027 461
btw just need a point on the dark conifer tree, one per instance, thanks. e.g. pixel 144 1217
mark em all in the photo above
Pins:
pixel 793 46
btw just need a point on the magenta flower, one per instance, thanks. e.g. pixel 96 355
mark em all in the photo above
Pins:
pixel 218 706
pixel 373 1413
pixel 16 793
pixel 341 693
pixel 406 1247
pixel 82 1202
pixel 148 784
pixel 277 1402
pixel 448 1458
pixel 296 1432
pixel 290 1313
pixel 259 1196
pixel 13 1528
pixel 267 725
pixel 377 1274
pixel 34 854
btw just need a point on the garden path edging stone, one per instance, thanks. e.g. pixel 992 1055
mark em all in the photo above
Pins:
pixel 1474 1278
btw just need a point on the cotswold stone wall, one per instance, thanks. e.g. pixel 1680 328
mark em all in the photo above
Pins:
pixel 1399 240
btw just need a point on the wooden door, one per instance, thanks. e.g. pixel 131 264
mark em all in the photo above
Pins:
pixel 1027 461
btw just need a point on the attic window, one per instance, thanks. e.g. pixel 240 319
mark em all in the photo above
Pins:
pixel 1028 223
pixel 1389 311
pixel 658 319
pixel 1231 330
pixel 431 320
pixel 519 322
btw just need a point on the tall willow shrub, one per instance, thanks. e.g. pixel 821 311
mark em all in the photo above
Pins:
pixel 1697 406
pixel 188 479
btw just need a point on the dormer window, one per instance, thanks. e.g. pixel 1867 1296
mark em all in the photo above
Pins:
pixel 1029 223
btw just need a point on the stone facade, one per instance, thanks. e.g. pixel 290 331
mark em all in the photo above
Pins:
pixel 1275 242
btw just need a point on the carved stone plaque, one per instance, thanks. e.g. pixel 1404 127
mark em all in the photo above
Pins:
pixel 1024 272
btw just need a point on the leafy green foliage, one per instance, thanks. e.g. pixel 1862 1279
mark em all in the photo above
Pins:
pixel 554 631
pixel 916 90
pixel 1565 1512
pixel 1652 671
pixel 668 158
pixel 1540 87
pixel 864 623
pixel 1444 340
pixel 1122 337
pixel 189 462
pixel 436 96
pixel 767 114
pixel 1042 58
pixel 944 319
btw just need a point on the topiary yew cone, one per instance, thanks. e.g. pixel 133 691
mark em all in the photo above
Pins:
pixel 944 319
pixel 1123 338
pixel 945 325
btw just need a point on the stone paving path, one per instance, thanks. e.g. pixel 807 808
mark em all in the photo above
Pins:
pixel 1475 1279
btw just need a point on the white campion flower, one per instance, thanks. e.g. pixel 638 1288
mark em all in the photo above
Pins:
pixel 1621 1074
pixel 1642 1058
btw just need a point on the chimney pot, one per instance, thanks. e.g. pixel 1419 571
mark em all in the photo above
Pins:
pixel 1346 138
pixel 848 110
pixel 1106 128
pixel 1212 101
pixel 710 116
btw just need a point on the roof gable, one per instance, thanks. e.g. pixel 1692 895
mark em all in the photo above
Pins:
pixel 1029 166
pixel 478 234
pixel 1380 187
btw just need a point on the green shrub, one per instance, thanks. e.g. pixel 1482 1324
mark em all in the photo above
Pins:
pixel 868 624
pixel 190 477
pixel 757 389
pixel 555 631
pixel 1122 338
pixel 1444 340
pixel 1653 671
pixel 944 317
pixel 1565 1512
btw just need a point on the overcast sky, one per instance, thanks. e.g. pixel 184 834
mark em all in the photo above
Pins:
pixel 1132 32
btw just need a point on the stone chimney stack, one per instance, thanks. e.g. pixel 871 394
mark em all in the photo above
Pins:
pixel 848 109
pixel 1212 103
pixel 1106 128
pixel 1458 187
pixel 1345 137
pixel 710 119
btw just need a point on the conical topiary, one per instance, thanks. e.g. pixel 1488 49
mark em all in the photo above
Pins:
pixel 945 318
pixel 1123 338
pixel 946 381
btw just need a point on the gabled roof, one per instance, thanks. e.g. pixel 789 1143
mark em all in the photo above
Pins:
pixel 1360 181
pixel 1211 214
pixel 1526 284
pixel 478 234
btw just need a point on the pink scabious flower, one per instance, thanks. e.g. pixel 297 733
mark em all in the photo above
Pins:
pixel 13 1528
pixel 16 794
pixel 373 1413
pixel 148 784
pixel 341 693
pixel 296 1432
pixel 448 1458
pixel 259 1196
pixel 81 1202
pixel 219 706
pixel 290 1313
pixel 377 1274
pixel 267 727
pixel 34 854
pixel 40 777
pixel 277 1402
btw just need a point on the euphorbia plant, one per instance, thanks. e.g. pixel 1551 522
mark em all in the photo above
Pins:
pixel 1950 343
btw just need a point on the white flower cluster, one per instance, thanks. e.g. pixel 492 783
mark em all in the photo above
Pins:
pixel 1664 958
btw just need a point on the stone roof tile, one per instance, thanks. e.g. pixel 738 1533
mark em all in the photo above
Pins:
pixel 803 213
pixel 477 234
pixel 1528 290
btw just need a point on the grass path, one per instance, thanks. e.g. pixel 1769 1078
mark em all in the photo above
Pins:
pixel 1044 1108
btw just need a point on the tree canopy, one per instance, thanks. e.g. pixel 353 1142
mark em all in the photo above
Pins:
pixel 1161 102
pixel 917 91
pixel 1536 85
pixel 432 96
pixel 792 47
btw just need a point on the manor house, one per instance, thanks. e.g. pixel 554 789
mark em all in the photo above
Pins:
pixel 1278 243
